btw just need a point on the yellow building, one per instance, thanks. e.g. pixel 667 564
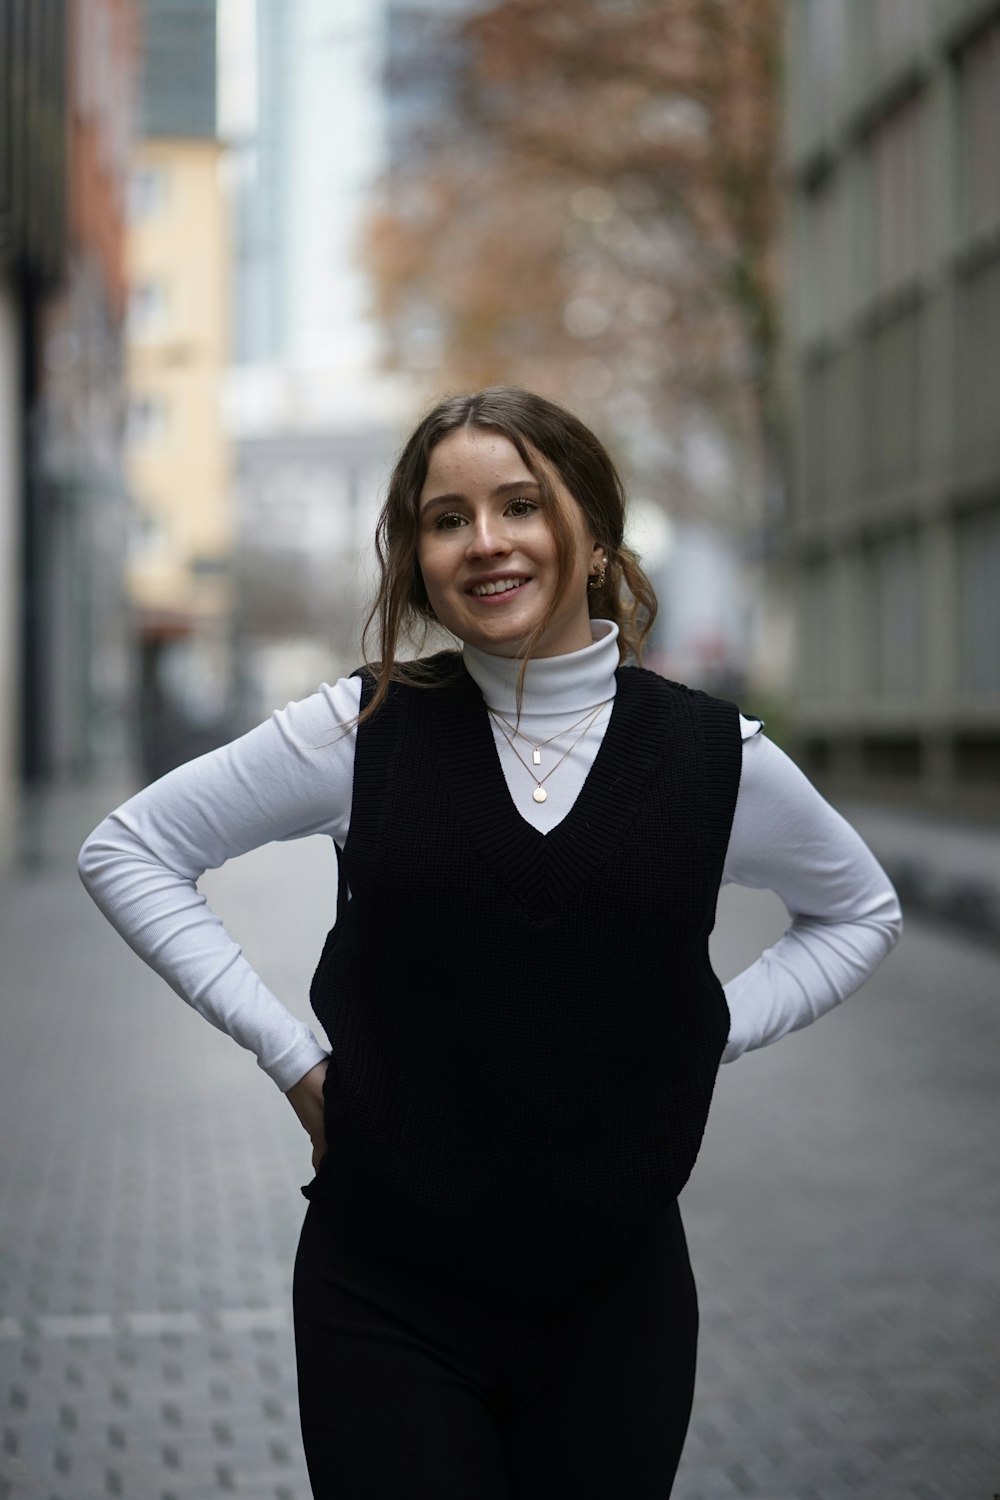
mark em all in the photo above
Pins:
pixel 178 460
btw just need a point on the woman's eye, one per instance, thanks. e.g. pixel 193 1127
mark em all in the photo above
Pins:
pixel 519 508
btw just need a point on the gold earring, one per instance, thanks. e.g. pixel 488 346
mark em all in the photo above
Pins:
pixel 596 579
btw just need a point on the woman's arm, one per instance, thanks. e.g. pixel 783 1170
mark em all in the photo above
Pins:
pixel 845 912
pixel 288 778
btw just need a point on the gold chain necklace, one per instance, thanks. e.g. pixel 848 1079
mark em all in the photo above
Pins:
pixel 537 746
pixel 540 794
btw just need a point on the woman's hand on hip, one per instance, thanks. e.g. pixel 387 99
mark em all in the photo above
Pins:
pixel 306 1098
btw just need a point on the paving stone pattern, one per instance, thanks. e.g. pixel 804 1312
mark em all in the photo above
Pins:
pixel 843 1220
pixel 149 1207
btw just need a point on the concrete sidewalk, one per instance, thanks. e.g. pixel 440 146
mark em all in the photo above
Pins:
pixel 842 1218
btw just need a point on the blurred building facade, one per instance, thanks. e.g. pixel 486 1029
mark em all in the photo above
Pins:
pixel 894 316
pixel 314 424
pixel 67 97
pixel 178 455
pixel 308 501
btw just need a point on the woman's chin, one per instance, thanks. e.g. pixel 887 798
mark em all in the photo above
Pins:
pixel 505 630
pixel 500 639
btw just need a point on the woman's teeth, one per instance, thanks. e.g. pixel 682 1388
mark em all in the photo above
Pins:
pixel 500 587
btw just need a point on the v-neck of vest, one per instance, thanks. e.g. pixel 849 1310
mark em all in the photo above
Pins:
pixel 543 868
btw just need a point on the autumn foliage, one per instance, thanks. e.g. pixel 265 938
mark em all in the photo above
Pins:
pixel 585 201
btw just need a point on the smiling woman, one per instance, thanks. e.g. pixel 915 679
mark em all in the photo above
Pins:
pixel 498 487
pixel 492 1291
pixel 487 553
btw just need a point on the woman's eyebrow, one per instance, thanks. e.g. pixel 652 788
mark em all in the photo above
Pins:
pixel 501 489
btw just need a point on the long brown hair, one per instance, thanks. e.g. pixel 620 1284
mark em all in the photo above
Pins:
pixel 535 426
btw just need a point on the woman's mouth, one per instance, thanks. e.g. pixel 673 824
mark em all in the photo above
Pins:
pixel 494 593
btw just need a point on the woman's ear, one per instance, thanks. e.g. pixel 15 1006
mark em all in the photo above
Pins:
pixel 597 571
pixel 598 557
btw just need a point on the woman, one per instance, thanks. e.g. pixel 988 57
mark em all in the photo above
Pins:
pixel 492 1290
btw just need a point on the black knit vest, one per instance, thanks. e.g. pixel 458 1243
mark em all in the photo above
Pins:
pixel 525 1027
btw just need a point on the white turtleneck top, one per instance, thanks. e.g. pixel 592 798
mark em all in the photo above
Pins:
pixel 292 776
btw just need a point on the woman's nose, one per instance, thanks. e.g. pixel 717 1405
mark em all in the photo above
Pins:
pixel 487 538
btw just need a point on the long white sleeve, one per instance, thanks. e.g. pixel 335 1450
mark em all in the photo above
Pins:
pixel 286 779
pixel 845 913
pixel 292 776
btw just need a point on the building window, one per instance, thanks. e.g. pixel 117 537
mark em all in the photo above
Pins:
pixel 148 420
pixel 896 192
pixel 892 401
pixel 147 192
pixel 844 426
pixel 978 133
pixel 814 665
pixel 814 437
pixel 897 26
pixel 889 595
pixel 832 430
pixel 150 535
pixel 822 50
pixel 825 272
pixel 977 356
pixel 898 615
pixel 977 544
pixel 147 310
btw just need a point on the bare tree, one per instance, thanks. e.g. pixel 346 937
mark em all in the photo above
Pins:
pixel 589 205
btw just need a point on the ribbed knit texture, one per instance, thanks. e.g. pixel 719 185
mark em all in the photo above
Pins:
pixel 525 1027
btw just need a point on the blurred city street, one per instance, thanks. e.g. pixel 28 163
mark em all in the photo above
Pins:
pixel 843 1217
pixel 755 249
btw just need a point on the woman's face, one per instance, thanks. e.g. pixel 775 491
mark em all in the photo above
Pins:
pixel 486 553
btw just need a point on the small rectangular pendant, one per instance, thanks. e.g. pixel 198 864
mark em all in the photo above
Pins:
pixel 536 757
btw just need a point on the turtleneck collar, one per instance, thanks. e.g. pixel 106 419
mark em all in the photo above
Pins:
pixel 552 684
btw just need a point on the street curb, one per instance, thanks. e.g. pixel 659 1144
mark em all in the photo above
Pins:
pixel 945 870
pixel 970 902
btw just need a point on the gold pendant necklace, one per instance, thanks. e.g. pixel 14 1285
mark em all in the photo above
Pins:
pixel 538 746
pixel 540 794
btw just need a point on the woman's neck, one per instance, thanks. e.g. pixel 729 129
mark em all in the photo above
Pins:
pixel 552 684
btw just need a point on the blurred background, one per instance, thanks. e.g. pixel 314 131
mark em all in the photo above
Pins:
pixel 243 243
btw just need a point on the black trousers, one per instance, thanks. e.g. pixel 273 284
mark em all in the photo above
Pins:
pixel 409 1391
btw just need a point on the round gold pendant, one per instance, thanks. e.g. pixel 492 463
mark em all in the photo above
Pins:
pixel 539 794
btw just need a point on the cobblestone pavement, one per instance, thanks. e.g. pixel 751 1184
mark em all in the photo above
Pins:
pixel 843 1220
